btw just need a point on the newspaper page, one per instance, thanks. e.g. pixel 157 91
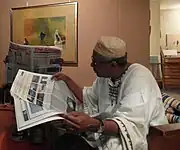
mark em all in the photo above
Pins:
pixel 39 99
pixel 41 59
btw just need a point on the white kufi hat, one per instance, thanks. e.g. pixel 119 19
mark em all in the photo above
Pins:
pixel 111 47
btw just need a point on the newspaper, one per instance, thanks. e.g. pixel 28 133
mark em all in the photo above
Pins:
pixel 40 59
pixel 39 99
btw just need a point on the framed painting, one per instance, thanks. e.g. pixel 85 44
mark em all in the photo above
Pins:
pixel 48 25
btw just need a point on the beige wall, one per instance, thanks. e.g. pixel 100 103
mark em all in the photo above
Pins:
pixel 170 23
pixel 134 20
pixel 155 28
pixel 127 18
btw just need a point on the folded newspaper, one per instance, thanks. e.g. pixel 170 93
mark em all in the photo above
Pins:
pixel 38 99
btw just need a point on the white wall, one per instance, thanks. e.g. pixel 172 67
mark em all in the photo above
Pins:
pixel 170 23
pixel 155 28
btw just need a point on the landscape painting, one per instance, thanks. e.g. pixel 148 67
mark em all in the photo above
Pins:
pixel 45 31
pixel 48 25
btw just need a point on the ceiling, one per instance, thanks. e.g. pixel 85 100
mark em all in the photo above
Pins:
pixel 170 4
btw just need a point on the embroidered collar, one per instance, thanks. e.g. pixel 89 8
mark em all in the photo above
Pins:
pixel 119 80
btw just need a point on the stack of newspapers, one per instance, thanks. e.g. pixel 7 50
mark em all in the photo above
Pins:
pixel 39 99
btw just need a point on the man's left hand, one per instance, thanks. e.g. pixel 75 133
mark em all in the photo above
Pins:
pixel 82 121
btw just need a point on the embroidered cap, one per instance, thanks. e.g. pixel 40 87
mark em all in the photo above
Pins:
pixel 110 46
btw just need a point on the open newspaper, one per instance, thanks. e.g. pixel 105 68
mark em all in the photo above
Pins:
pixel 41 59
pixel 38 99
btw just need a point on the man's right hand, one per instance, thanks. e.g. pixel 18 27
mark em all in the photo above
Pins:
pixel 77 91
pixel 60 76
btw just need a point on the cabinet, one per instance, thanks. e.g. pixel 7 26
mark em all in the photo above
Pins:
pixel 170 71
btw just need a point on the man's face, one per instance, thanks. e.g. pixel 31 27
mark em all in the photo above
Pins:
pixel 101 67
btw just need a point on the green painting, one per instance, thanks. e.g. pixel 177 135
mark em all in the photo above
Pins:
pixel 45 31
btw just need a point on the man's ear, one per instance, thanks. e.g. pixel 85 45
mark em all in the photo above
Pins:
pixel 114 63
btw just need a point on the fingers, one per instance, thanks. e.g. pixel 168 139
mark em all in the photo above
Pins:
pixel 63 115
pixel 74 116
pixel 58 78
pixel 55 75
pixel 63 126
pixel 71 124
pixel 73 119
pixel 74 113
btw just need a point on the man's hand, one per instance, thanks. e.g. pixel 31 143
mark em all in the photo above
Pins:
pixel 60 76
pixel 64 126
pixel 77 91
pixel 81 120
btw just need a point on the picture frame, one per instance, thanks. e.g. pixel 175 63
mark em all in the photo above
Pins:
pixel 48 25
pixel 172 41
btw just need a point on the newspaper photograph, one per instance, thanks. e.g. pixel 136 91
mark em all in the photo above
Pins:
pixel 39 99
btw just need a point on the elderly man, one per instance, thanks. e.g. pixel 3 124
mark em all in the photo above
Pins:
pixel 126 97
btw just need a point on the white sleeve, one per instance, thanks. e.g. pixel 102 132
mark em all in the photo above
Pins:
pixel 141 105
pixel 142 101
pixel 131 120
pixel 90 99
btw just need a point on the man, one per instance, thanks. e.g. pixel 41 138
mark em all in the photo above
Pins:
pixel 126 97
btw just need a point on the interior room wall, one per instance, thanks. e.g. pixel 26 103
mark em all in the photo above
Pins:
pixel 95 19
pixel 126 18
pixel 134 22
pixel 170 23
pixel 155 28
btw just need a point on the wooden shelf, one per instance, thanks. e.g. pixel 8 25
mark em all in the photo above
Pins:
pixel 170 71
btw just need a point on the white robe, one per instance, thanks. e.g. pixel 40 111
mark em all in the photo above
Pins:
pixel 139 107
